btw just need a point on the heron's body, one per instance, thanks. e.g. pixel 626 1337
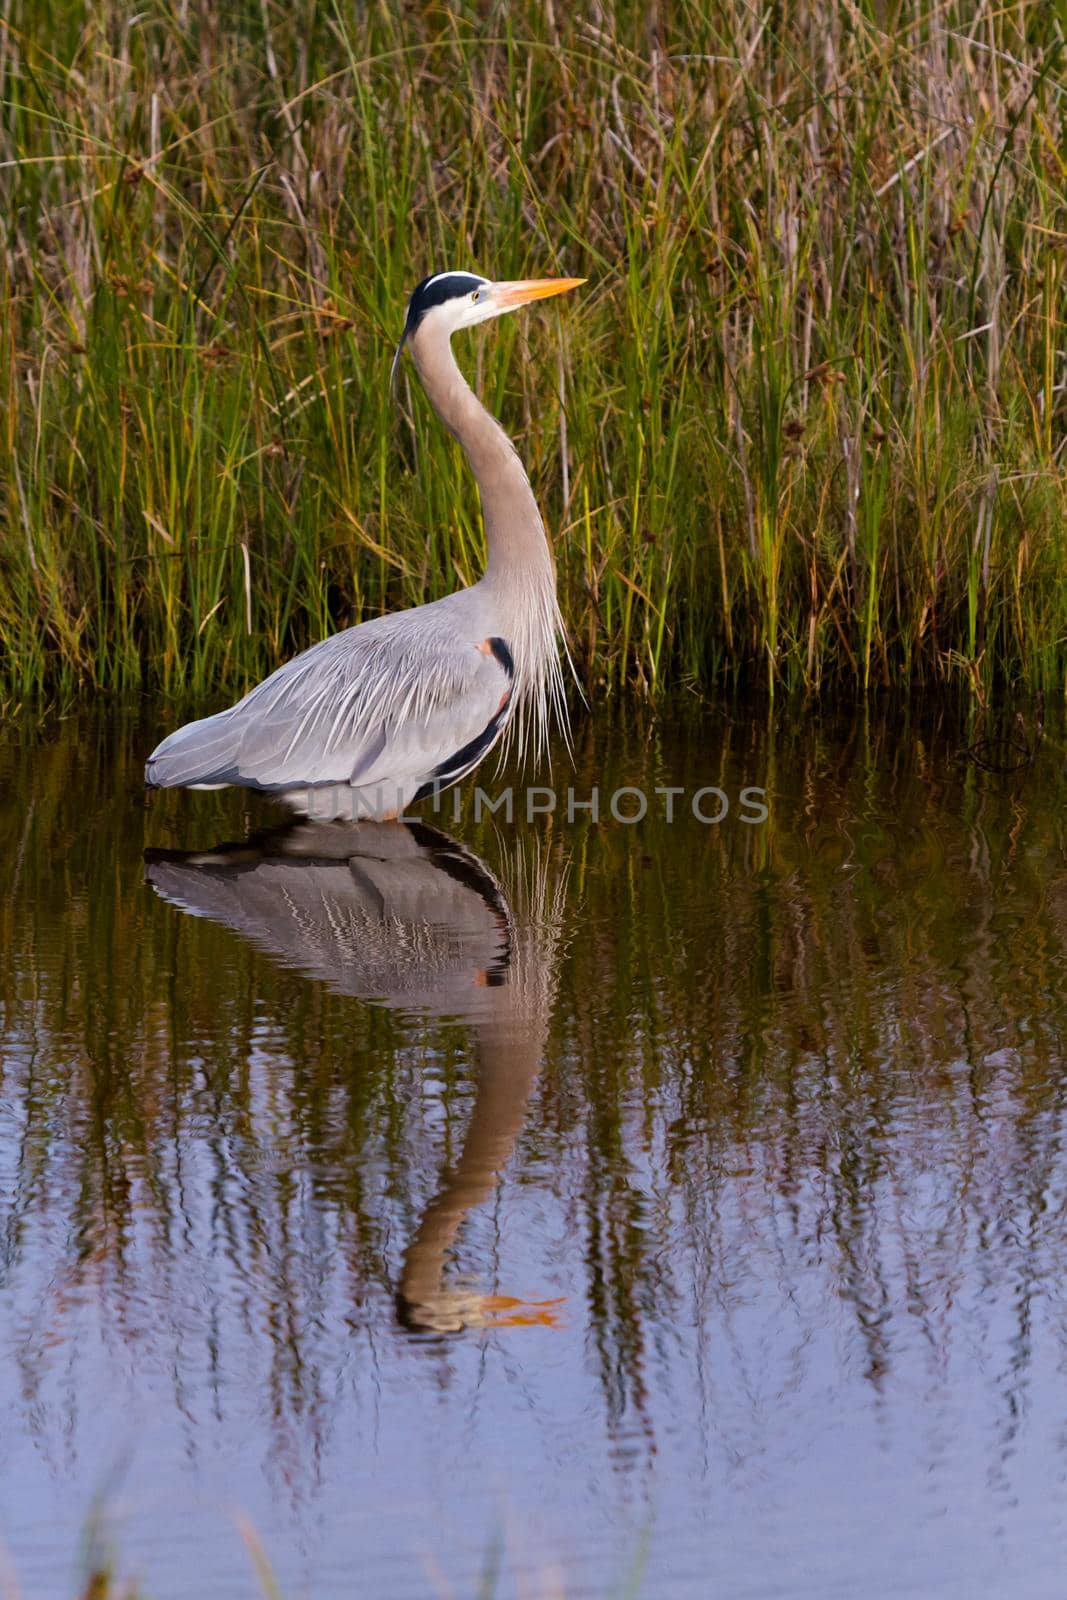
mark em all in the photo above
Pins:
pixel 371 719
pixel 356 726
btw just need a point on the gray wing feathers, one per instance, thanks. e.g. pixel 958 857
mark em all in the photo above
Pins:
pixel 387 701
pixel 201 752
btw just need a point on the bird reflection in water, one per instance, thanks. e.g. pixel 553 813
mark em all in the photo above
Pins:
pixel 406 917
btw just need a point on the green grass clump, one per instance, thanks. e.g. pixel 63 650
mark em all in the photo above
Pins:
pixel 804 426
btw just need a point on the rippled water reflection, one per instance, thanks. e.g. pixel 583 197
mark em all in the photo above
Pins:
pixel 569 1198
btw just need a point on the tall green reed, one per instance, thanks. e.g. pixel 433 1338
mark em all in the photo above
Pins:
pixel 804 428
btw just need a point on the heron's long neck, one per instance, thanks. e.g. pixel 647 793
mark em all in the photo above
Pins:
pixel 516 544
pixel 520 574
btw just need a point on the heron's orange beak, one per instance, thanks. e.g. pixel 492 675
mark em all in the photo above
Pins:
pixel 510 295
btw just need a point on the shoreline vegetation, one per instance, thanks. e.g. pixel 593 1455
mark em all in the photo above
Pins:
pixel 803 429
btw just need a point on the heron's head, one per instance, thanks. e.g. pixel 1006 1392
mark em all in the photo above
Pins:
pixel 448 301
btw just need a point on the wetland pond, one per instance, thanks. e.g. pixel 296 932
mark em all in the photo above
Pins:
pixel 540 1209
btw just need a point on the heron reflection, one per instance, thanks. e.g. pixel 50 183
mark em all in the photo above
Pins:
pixel 405 916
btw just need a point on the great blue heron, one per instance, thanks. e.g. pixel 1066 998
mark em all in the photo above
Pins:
pixel 375 718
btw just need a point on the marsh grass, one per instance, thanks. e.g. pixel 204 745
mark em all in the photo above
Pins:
pixel 804 427
pixel 103 1578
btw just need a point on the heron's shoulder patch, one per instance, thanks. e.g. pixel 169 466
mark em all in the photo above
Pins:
pixel 498 649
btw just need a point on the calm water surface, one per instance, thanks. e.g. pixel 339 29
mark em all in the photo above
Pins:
pixel 564 1202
